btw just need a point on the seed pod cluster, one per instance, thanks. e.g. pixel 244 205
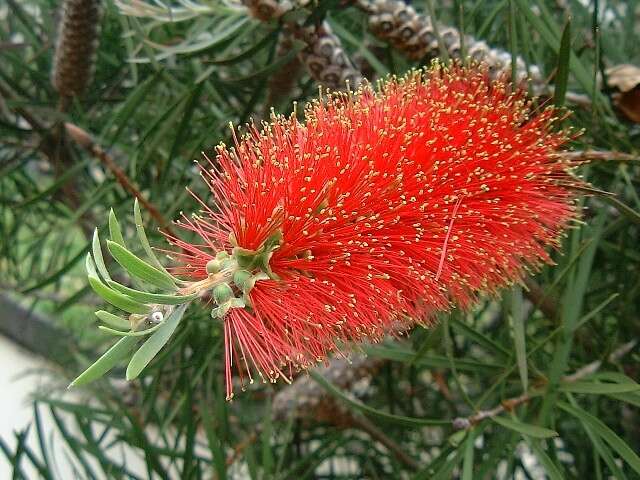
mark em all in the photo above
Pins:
pixel 414 35
pixel 324 57
pixel 75 47
pixel 326 60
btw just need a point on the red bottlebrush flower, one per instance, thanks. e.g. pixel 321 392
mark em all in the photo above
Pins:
pixel 381 207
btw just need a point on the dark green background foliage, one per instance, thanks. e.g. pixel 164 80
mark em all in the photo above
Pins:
pixel 162 93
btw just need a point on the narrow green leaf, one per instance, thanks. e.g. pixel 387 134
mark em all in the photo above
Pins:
pixel 142 236
pixel 609 436
pixel 595 311
pixel 467 459
pixel 153 345
pixel 512 35
pixel 248 53
pixel 362 47
pixel 117 299
pixel 604 453
pixel 126 109
pixel 56 275
pixel 267 462
pixel 97 256
pixel 623 208
pixel 572 304
pixel 140 269
pixel 431 361
pixel 44 451
pixel 208 44
pixel 518 319
pixel 615 377
pixel 456 438
pixel 113 320
pixel 55 186
pixel 146 297
pixel 562 72
pixel 597 388
pixel 358 405
pixel 525 428
pixel 550 36
pixel 115 232
pixel 138 333
pixel 90 267
pixel 106 362
pixel 630 398
pixel 445 472
pixel 182 128
pixel 553 470
pixel 444 53
pixel 213 438
pixel 481 339
pixel 296 47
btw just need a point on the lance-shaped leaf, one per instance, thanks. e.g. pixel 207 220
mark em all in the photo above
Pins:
pixel 138 333
pixel 525 428
pixel 116 299
pixel 97 256
pixel 151 297
pixel 142 236
pixel 597 388
pixel 139 268
pixel 152 346
pixel 106 362
pixel 115 232
pixel 603 431
pixel 113 320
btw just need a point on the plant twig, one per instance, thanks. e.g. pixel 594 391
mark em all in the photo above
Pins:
pixel 537 296
pixel 364 424
pixel 84 140
pixel 599 156
pixel 461 423
pixel 241 447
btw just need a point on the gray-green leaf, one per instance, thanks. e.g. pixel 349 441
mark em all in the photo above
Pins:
pixel 152 346
pixel 117 299
pixel 113 320
pixel 106 362
pixel 142 236
pixel 139 268
pixel 115 232
pixel 97 256
pixel 146 297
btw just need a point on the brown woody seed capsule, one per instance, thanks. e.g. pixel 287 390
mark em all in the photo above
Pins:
pixel 75 47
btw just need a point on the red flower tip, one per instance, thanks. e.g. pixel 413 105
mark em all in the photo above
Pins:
pixel 381 208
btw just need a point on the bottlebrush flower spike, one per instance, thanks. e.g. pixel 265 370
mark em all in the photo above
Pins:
pixel 381 207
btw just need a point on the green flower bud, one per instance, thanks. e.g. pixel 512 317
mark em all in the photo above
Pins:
pixel 222 255
pixel 213 266
pixel 222 293
pixel 240 278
